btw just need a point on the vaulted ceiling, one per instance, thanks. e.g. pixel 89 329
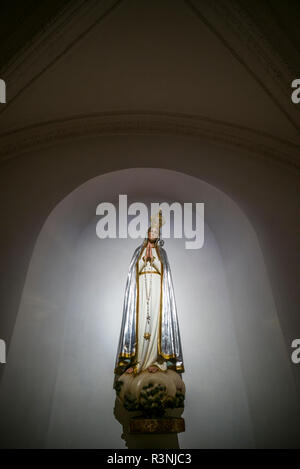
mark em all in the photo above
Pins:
pixel 278 21
pixel 218 70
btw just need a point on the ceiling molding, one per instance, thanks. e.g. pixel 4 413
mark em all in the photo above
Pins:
pixel 227 20
pixel 263 146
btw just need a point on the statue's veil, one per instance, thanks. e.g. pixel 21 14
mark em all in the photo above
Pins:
pixel 169 343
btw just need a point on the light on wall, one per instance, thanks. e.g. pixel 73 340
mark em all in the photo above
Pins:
pixel 2 91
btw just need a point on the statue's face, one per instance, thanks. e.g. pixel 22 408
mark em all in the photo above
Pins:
pixel 153 234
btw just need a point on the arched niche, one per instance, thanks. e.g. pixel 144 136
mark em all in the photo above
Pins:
pixel 57 390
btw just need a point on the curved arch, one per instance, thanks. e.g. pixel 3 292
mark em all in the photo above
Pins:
pixel 56 355
pixel 47 134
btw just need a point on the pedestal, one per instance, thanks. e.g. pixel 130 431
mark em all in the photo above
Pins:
pixel 157 425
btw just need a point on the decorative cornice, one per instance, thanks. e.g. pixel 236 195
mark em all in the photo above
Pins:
pixel 228 20
pixel 262 145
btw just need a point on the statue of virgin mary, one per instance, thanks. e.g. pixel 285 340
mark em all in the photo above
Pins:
pixel 149 338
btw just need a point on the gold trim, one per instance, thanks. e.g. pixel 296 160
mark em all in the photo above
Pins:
pixel 151 262
pixel 160 312
pixel 149 272
pixel 137 306
pixel 160 353
pixel 179 367
pixel 160 304
pixel 125 355
pixel 121 367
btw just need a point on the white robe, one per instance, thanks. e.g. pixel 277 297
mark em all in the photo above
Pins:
pixel 147 348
